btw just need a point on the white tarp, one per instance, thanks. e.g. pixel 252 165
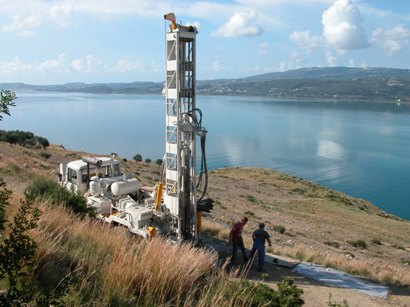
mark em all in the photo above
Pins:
pixel 340 279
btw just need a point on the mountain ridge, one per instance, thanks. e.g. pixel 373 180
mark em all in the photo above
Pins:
pixel 376 83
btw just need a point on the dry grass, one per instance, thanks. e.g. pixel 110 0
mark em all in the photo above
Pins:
pixel 115 268
pixel 215 230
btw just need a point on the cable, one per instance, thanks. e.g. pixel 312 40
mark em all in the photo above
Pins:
pixel 204 168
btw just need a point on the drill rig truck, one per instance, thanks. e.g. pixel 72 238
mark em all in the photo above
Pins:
pixel 173 207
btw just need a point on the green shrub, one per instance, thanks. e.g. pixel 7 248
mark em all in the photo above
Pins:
pixel 148 160
pixel 376 242
pixel 159 161
pixel 5 195
pixel 398 246
pixel 359 243
pixel 279 228
pixel 137 158
pixel 23 138
pixel 249 213
pixel 251 198
pixel 48 189
pixel 17 256
pixel 287 295
pixel 45 154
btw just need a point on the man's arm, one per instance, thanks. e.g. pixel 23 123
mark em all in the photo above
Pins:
pixel 268 239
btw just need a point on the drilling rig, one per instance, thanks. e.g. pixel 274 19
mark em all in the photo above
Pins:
pixel 172 208
pixel 182 128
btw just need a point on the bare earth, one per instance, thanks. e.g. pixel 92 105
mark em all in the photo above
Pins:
pixel 306 222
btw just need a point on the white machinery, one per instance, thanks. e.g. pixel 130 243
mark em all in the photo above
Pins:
pixel 172 208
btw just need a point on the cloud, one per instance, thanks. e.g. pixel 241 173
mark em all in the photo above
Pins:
pixel 25 15
pixel 21 24
pixel 28 15
pixel 342 26
pixel 330 58
pixel 240 24
pixel 59 65
pixel 392 40
pixel 87 64
pixel 14 66
pixel 216 66
pixel 124 65
pixel 305 40
pixel 297 60
pixel 282 66
pixel 264 49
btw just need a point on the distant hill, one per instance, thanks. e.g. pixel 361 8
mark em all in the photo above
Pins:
pixel 335 73
pixel 381 84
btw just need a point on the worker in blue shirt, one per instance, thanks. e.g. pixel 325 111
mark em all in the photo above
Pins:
pixel 259 237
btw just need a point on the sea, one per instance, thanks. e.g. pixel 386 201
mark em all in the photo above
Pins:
pixel 359 148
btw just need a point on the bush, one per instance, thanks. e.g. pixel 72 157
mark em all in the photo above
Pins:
pixel 5 195
pixel 137 158
pixel 48 189
pixel 251 198
pixel 279 228
pixel 376 242
pixel 249 213
pixel 44 155
pixel 23 138
pixel 159 161
pixel 17 255
pixel 359 243
pixel 287 295
pixel 148 160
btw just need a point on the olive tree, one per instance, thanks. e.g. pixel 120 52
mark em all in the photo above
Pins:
pixel 7 98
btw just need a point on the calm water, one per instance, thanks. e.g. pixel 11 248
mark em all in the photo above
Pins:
pixel 362 149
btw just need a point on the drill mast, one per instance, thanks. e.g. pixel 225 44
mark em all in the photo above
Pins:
pixel 181 130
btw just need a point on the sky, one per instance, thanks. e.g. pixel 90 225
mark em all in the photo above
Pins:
pixel 60 41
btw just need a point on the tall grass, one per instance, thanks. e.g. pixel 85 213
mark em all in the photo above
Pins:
pixel 215 230
pixel 92 264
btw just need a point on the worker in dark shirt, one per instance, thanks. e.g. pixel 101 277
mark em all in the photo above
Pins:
pixel 259 237
pixel 235 239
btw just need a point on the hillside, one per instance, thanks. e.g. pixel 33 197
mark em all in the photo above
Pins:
pixel 369 84
pixel 306 221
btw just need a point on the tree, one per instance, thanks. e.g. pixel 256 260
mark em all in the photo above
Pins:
pixel 17 255
pixel 6 101
pixel 5 195
pixel 137 158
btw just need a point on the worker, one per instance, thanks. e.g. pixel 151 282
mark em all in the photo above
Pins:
pixel 259 237
pixel 235 239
